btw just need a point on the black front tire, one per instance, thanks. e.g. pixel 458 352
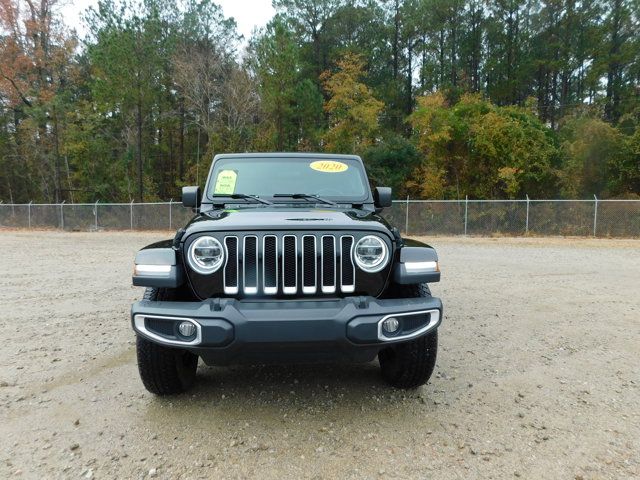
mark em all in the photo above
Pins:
pixel 164 370
pixel 410 364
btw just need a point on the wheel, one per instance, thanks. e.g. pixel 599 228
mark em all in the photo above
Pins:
pixel 164 370
pixel 417 290
pixel 410 364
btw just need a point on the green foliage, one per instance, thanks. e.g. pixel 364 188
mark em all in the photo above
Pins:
pixel 96 166
pixel 594 151
pixel 391 162
pixel 484 150
pixel 625 178
pixel 292 104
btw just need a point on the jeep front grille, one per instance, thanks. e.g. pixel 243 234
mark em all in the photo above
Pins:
pixel 288 264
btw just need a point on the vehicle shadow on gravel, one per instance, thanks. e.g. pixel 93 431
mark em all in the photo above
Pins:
pixel 268 393
pixel 303 378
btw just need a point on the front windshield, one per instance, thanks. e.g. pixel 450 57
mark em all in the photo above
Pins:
pixel 340 180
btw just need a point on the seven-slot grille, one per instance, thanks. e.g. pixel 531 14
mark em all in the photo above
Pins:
pixel 288 264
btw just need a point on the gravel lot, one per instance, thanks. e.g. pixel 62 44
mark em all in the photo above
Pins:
pixel 538 376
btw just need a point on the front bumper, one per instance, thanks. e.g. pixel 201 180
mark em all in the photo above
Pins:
pixel 230 331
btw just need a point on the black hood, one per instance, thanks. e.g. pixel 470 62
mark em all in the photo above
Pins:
pixel 287 218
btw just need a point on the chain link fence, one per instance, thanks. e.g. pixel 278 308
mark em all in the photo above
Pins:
pixel 600 218
pixel 96 216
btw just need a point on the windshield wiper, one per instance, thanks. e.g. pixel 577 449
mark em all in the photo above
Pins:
pixel 305 196
pixel 244 196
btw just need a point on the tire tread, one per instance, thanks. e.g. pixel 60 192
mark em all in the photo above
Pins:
pixel 159 366
pixel 410 364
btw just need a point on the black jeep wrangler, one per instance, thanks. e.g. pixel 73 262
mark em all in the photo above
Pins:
pixel 286 260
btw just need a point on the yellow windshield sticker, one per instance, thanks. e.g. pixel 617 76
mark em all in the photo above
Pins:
pixel 329 166
pixel 226 182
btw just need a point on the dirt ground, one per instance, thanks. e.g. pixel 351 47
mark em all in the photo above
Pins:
pixel 538 376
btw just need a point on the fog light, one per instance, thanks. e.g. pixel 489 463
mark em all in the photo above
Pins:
pixel 187 329
pixel 391 325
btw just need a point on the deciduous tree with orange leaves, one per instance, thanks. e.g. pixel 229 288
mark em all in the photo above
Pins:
pixel 35 65
pixel 353 110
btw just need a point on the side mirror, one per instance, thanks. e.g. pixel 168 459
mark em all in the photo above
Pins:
pixel 191 197
pixel 382 197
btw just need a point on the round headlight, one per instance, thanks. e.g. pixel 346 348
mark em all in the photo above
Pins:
pixel 371 254
pixel 206 255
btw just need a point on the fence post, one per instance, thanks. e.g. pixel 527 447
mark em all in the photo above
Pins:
pixel 30 213
pixel 526 227
pixel 595 214
pixel 406 218
pixel 62 214
pixel 170 205
pixel 95 213
pixel 131 214
pixel 466 212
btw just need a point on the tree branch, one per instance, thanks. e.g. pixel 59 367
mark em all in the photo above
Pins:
pixel 13 83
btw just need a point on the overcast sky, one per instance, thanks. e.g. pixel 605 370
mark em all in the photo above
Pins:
pixel 248 14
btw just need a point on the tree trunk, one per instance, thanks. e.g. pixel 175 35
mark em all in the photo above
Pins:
pixel 441 57
pixel 139 147
pixel 424 62
pixel 172 176
pixel 181 139
pixel 409 99
pixel 396 38
pixel 613 66
pixel 58 180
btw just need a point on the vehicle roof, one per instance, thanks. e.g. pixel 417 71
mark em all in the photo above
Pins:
pixel 285 155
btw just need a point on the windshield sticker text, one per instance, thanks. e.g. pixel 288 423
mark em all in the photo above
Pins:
pixel 329 166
